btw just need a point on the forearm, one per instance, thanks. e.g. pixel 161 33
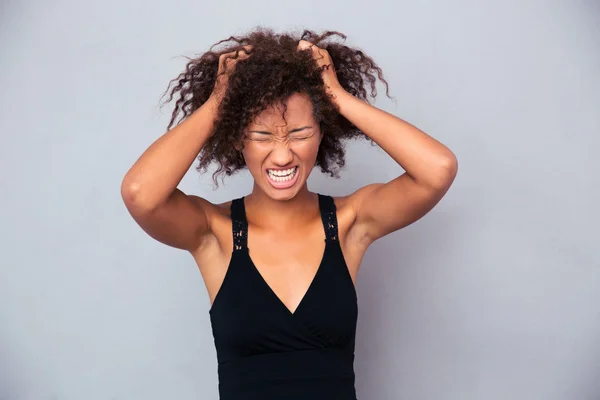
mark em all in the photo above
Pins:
pixel 425 159
pixel 158 171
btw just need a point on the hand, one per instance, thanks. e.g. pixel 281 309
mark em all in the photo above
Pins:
pixel 322 57
pixel 227 64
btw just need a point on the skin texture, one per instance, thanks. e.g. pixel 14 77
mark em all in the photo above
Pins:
pixel 285 231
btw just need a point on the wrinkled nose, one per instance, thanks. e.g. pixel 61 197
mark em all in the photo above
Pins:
pixel 282 155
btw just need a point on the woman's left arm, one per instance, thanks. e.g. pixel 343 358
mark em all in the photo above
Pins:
pixel 430 168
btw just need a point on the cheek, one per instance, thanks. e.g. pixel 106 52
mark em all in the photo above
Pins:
pixel 253 158
pixel 249 157
pixel 309 152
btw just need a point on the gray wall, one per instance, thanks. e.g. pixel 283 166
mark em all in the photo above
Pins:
pixel 494 295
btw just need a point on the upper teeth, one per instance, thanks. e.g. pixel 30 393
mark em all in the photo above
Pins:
pixel 284 172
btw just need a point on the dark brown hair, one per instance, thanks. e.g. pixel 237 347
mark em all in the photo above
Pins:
pixel 274 70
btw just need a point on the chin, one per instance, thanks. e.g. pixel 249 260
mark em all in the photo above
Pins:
pixel 281 194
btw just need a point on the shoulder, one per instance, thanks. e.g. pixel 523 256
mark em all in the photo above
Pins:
pixel 348 207
pixel 215 213
pixel 349 204
pixel 355 198
pixel 210 207
pixel 218 217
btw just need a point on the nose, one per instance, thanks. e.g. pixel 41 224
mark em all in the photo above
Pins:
pixel 282 155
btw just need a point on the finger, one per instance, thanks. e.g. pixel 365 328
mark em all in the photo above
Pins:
pixel 227 60
pixel 244 52
pixel 305 45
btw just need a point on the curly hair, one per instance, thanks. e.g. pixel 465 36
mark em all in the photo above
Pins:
pixel 273 70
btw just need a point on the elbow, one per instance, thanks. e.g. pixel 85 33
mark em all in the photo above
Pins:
pixel 445 172
pixel 450 165
pixel 133 195
pixel 129 191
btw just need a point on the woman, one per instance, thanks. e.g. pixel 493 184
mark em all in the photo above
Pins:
pixel 280 264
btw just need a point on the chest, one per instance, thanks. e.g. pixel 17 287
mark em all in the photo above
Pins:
pixel 287 260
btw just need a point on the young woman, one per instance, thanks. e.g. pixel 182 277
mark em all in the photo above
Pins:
pixel 280 264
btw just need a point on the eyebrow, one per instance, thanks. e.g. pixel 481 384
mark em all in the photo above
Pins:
pixel 292 131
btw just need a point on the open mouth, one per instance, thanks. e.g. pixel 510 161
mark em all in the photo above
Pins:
pixel 282 178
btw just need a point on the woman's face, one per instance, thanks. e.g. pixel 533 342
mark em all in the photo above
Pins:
pixel 281 154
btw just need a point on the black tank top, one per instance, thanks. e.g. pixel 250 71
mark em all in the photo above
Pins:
pixel 266 352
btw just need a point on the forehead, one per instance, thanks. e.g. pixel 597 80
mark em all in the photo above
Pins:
pixel 299 111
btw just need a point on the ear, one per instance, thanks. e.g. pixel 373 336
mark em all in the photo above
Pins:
pixel 239 150
pixel 239 145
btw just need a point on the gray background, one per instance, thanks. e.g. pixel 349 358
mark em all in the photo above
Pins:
pixel 494 295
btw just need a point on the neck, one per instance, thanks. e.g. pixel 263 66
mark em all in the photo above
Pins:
pixel 281 213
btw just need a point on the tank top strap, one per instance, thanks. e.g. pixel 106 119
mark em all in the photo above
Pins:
pixel 239 224
pixel 329 217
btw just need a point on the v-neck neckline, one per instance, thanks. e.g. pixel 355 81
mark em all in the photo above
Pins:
pixel 313 280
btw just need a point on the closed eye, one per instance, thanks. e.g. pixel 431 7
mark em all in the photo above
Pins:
pixel 302 137
pixel 292 131
pixel 259 136
pixel 300 129
pixel 301 133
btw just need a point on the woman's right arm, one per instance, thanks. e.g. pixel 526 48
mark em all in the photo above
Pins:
pixel 149 189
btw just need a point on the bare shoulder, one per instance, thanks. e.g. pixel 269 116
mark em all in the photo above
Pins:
pixel 219 222
pixel 354 199
pixel 347 211
pixel 211 209
pixel 348 206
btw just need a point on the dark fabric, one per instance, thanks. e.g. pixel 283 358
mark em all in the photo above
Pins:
pixel 264 351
